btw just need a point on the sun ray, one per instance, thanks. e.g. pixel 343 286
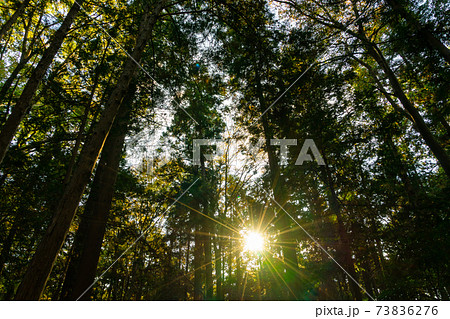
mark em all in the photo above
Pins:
pixel 217 235
pixel 281 277
pixel 275 218
pixel 194 270
pixel 261 220
pixel 245 285
pixel 209 217
pixel 292 229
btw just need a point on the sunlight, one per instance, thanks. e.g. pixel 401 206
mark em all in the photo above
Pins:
pixel 253 242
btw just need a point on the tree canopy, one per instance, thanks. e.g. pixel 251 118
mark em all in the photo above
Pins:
pixel 224 150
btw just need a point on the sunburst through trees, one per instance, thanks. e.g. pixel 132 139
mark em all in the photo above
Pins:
pixel 332 181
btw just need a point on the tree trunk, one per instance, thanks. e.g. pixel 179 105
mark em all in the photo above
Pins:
pixel 218 242
pixel 230 266
pixel 8 83
pixel 23 104
pixel 198 260
pixel 207 233
pixel 89 236
pixel 281 197
pixel 419 123
pixel 8 24
pixel 376 54
pixel 40 267
pixel 237 293
pixel 7 244
pixel 85 117
pixel 423 32
pixel 186 266
pixel 344 240
pixel 208 267
pixel 25 55
pixel 218 264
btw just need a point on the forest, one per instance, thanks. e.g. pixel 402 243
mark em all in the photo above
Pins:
pixel 225 150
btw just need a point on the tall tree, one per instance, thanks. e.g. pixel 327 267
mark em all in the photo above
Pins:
pixel 22 106
pixel 39 269
pixel 89 237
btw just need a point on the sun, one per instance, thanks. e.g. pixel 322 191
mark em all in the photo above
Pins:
pixel 253 242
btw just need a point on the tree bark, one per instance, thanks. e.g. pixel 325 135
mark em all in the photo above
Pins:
pixel 89 236
pixel 23 104
pixel 237 292
pixel 41 265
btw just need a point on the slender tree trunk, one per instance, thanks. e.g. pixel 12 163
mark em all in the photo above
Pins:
pixel 218 242
pixel 8 83
pixel 23 104
pixel 376 54
pixel 409 109
pixel 316 203
pixel 207 234
pixel 198 260
pixel 41 265
pixel 218 263
pixel 25 56
pixel 419 123
pixel 89 236
pixel 64 272
pixel 437 113
pixel 281 196
pixel 198 254
pixel 237 293
pixel 418 120
pixel 84 119
pixel 208 268
pixel 230 266
pixel 186 266
pixel 423 33
pixel 7 244
pixel 8 24
pixel 344 240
